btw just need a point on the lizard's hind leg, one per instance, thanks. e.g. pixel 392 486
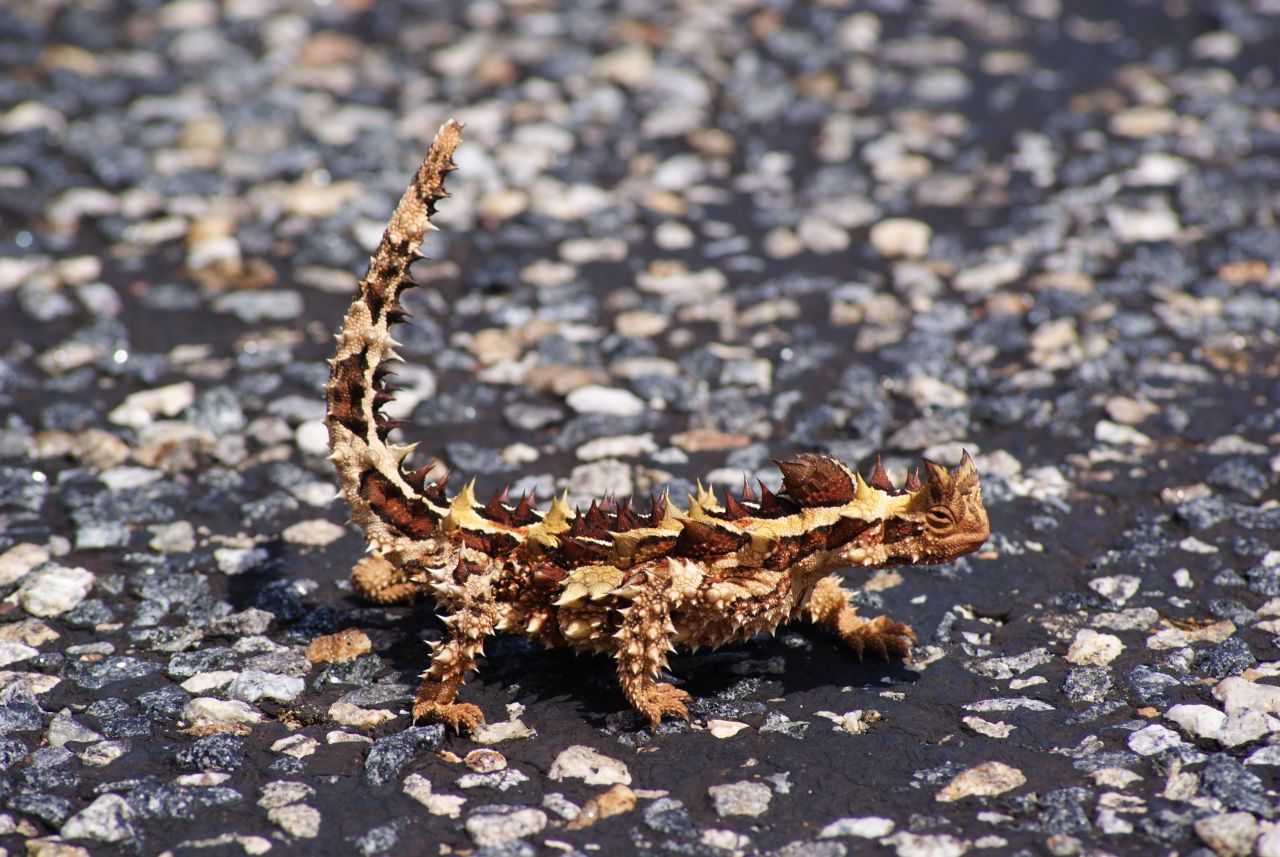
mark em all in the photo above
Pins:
pixel 828 607
pixel 474 618
pixel 644 639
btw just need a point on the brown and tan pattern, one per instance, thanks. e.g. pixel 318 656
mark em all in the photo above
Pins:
pixel 611 580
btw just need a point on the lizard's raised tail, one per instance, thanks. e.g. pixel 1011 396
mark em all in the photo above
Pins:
pixel 391 504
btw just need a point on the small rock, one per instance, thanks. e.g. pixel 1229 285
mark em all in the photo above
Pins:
pixel 865 827
pixel 176 537
pixel 347 714
pixel 725 728
pixel 741 798
pixel 418 787
pixel 901 237
pixel 1238 694
pixel 207 713
pixel 1244 727
pixel 105 820
pixel 598 478
pixel 590 766
pixel 985 780
pixel 297 746
pixel 12 653
pixel 615 801
pixel 284 792
pixel 855 722
pixel 1236 786
pixel 485 761
pixel 297 820
pixel 252 685
pixel 505 824
pixel 207 681
pixel 926 845
pixel 339 648
pixel 1138 225
pixel 1153 739
pixel 54 590
pixel 63 729
pixel 312 438
pixel 213 753
pixel 620 446
pixel 595 399
pixel 1117 434
pixel 388 756
pixel 1117 588
pixel 997 729
pixel 1202 721
pixel 1231 834
pixel 503 730
pixel 317 532
pixel 141 409
pixel 1268 844
pixel 20 559
pixel 239 560
pixel 1092 648
pixel 1142 121
pixel 103 753
pixel 1230 657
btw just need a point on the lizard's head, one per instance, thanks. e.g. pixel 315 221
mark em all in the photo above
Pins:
pixel 932 521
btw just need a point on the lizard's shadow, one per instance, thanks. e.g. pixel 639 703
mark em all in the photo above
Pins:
pixel 733 680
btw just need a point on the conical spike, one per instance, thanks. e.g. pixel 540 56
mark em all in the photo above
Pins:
pixel 523 509
pixel 494 510
pixel 706 499
pixel 658 509
pixel 913 481
pixel 862 492
pixel 936 476
pixel 748 496
pixel 880 479
pixel 965 476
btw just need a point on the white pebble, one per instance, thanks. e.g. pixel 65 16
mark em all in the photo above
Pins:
pixel 592 767
pixel 54 590
pixel 1094 649
pixel 900 236
pixel 595 399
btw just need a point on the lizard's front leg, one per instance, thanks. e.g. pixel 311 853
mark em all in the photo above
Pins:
pixel 643 641
pixel 455 656
pixel 828 607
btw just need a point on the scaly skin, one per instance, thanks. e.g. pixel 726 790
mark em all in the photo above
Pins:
pixel 609 580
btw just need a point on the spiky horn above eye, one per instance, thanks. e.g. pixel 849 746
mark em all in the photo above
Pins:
pixel 935 475
pixel 965 477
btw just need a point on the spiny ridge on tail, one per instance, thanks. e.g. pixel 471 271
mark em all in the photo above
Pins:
pixel 388 503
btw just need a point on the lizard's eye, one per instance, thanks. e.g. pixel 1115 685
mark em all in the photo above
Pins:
pixel 940 518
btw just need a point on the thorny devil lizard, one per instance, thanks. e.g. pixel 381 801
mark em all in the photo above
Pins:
pixel 611 580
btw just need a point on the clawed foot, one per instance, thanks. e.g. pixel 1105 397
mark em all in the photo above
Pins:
pixel 881 637
pixel 663 699
pixel 462 716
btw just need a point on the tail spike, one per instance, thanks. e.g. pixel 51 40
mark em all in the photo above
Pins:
pixel 385 427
